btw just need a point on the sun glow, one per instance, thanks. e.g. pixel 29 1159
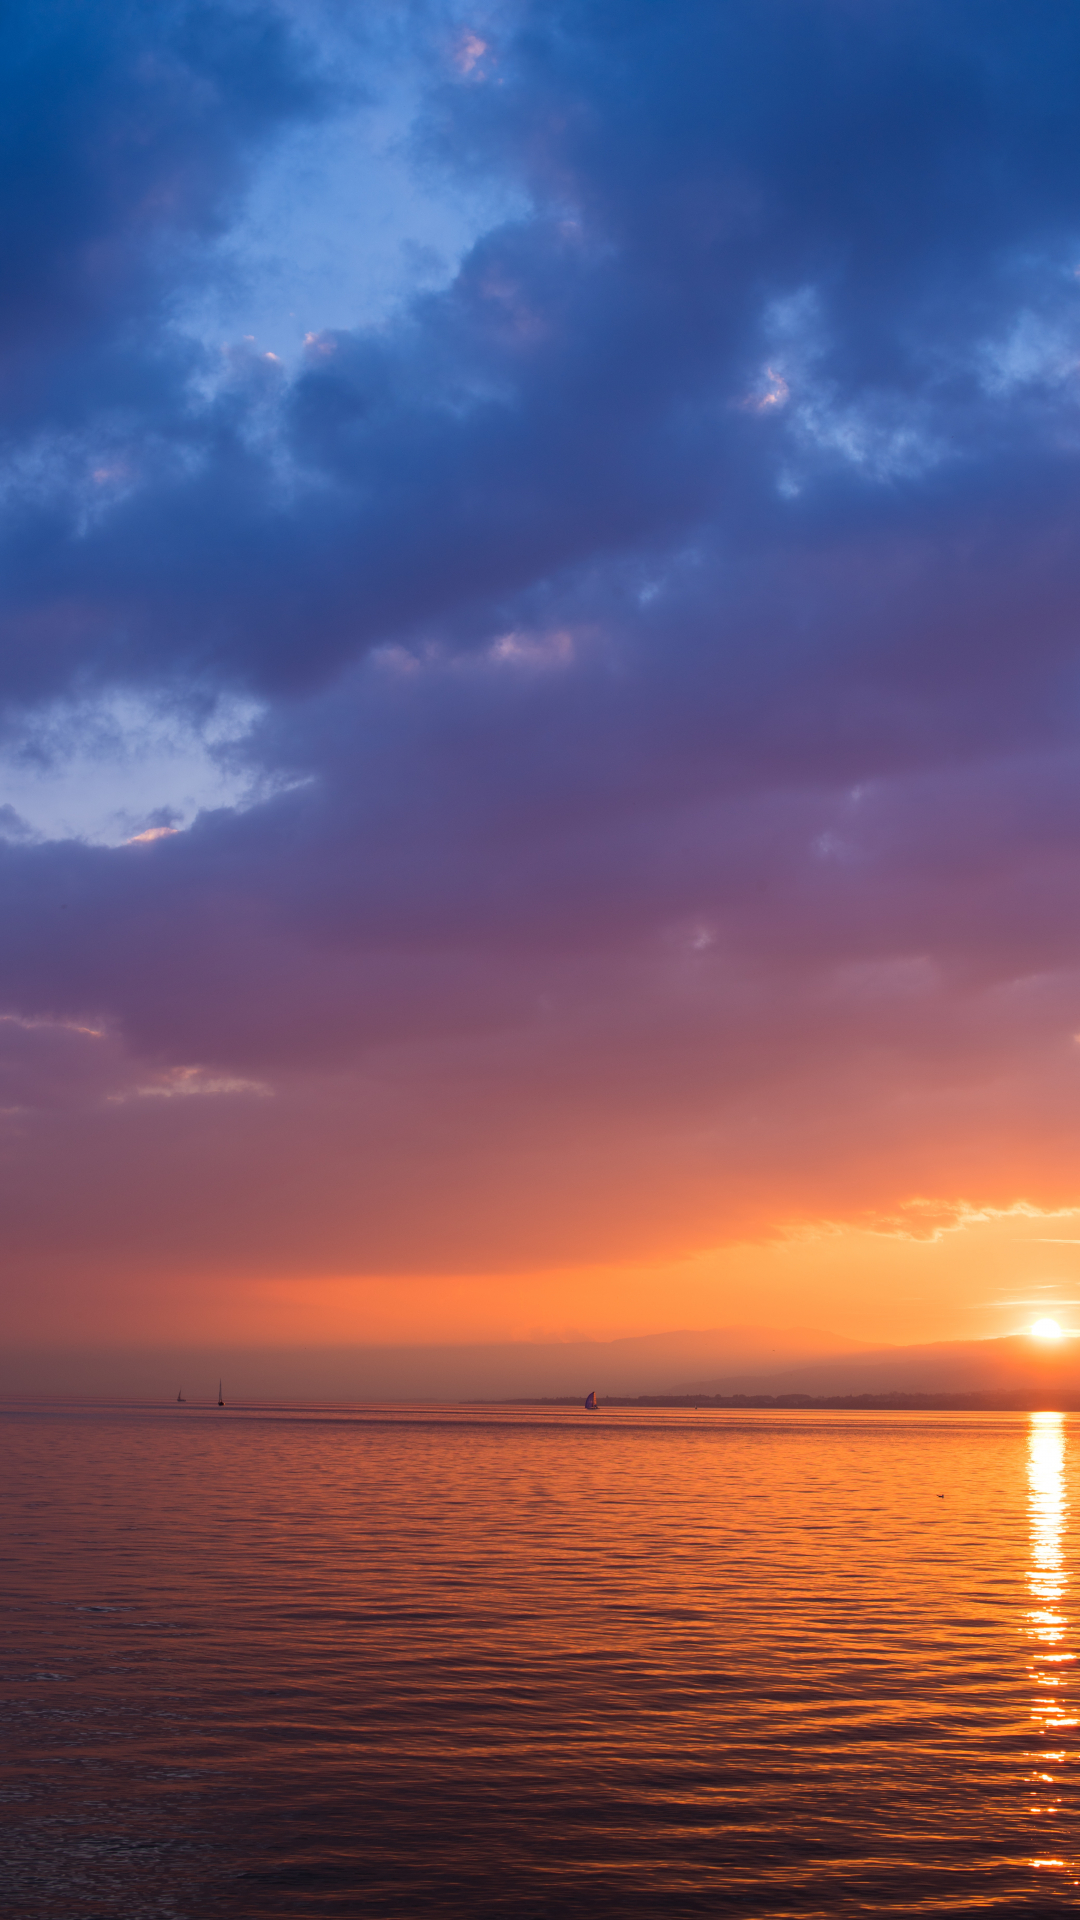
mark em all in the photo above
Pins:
pixel 1046 1330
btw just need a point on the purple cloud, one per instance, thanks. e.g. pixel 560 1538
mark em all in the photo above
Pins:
pixel 661 637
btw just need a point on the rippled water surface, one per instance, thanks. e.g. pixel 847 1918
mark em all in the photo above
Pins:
pixel 411 1663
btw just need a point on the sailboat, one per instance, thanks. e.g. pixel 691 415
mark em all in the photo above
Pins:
pixel 180 1401
pixel 220 1401
pixel 590 1404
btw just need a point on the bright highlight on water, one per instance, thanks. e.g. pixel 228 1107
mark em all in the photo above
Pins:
pixel 804 1685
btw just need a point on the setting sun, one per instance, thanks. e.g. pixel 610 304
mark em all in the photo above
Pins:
pixel 1046 1330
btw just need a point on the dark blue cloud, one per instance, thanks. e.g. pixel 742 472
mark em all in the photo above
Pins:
pixel 128 131
pixel 872 202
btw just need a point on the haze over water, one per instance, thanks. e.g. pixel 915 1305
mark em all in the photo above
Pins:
pixel 410 1662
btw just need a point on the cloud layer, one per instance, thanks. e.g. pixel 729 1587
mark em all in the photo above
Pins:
pixel 657 820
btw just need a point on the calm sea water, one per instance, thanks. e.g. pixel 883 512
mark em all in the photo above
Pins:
pixel 412 1663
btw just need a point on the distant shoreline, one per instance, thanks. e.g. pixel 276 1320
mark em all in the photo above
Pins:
pixel 1025 1401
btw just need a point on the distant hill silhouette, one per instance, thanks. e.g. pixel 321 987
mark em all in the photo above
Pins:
pixel 648 1363
pixel 1014 1364
pixel 743 1360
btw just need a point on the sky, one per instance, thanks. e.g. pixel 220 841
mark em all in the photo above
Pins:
pixel 540 689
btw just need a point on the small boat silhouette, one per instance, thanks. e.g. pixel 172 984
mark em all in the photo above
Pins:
pixel 180 1401
pixel 590 1404
pixel 220 1401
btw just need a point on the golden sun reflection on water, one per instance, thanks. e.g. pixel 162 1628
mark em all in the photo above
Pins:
pixel 1047 1621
